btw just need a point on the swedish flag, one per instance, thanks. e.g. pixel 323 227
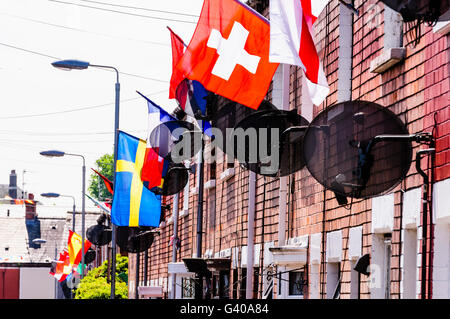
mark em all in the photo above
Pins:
pixel 133 204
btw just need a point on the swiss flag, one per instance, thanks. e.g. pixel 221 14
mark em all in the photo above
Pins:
pixel 229 52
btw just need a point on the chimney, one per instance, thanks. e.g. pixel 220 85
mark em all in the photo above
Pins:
pixel 30 208
pixel 12 191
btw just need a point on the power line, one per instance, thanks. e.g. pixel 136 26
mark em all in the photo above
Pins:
pixel 53 141
pixel 140 8
pixel 29 51
pixel 60 112
pixel 71 110
pixel 83 30
pixel 62 133
pixel 122 12
pixel 56 58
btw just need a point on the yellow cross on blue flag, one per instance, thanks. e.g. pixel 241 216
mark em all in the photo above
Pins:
pixel 133 204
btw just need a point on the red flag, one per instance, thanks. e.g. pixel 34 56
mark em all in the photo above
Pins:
pixel 108 183
pixel 74 244
pixel 229 52
pixel 153 168
pixel 63 267
pixel 291 42
pixel 177 53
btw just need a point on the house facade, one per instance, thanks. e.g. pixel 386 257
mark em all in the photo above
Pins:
pixel 303 243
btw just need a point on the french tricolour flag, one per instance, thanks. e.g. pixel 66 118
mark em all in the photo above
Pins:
pixel 159 144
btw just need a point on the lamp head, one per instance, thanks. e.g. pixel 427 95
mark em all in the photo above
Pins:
pixel 50 195
pixel 39 241
pixel 52 153
pixel 71 65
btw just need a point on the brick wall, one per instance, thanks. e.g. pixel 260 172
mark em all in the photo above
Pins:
pixel 416 89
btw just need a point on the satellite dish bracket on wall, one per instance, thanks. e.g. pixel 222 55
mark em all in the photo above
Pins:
pixel 365 159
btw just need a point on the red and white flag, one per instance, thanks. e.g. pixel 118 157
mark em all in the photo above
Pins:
pixel 177 53
pixel 291 42
pixel 229 52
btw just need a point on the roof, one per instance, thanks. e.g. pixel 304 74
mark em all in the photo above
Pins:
pixel 52 224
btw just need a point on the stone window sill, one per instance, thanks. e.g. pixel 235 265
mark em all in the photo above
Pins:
pixel 387 59
pixel 210 184
pixel 227 174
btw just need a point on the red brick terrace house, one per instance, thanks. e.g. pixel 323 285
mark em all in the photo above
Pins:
pixel 369 57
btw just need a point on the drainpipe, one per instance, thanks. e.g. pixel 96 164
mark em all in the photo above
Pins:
pixel 280 98
pixel 251 232
pixel 423 287
pixel 174 241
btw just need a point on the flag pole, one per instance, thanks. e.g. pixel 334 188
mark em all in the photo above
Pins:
pixel 210 99
pixel 199 283
pixel 114 230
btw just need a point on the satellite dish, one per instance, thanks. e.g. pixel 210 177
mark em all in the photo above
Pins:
pixel 134 239
pixel 231 113
pixel 358 149
pixel 99 235
pixel 175 180
pixel 165 136
pixel 89 256
pixel 276 131
pixel 363 264
pixel 429 11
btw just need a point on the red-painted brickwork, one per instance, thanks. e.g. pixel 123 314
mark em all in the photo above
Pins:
pixel 416 89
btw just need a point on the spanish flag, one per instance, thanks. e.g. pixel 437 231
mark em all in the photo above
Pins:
pixel 133 204
pixel 74 246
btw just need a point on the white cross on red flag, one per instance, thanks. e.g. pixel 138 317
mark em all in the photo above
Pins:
pixel 229 52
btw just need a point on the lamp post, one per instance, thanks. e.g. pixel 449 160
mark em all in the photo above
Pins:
pixel 60 154
pixel 55 195
pixel 82 65
pixel 43 241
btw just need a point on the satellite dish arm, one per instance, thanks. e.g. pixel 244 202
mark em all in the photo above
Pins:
pixel 293 129
pixel 364 151
pixel 419 138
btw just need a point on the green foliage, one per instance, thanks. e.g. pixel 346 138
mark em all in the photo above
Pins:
pixel 95 286
pixel 97 187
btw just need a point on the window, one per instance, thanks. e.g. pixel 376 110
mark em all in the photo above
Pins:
pixel 333 280
pixel 185 210
pixel 235 283
pixel 380 267
pixel 212 171
pixel 221 285
pixel 224 291
pixel 255 282
pixel 243 283
pixel 188 288
pixel 296 283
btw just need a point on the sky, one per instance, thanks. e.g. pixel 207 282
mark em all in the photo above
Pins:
pixel 44 108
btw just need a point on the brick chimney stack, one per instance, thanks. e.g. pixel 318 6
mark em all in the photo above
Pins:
pixel 12 190
pixel 30 208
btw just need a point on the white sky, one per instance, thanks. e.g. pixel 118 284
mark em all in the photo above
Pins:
pixel 30 87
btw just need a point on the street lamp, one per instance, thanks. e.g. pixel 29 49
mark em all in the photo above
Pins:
pixel 82 65
pixel 54 153
pixel 55 195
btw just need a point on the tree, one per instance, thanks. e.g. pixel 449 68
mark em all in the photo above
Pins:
pixel 95 285
pixel 97 188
